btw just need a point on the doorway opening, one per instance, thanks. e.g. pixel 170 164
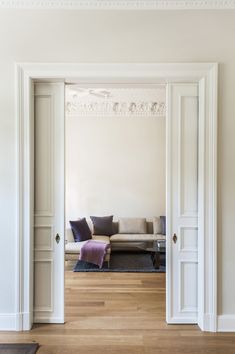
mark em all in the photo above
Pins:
pixel 115 175
pixel 179 100
pixel 115 166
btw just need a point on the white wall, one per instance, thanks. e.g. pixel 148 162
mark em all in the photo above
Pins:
pixel 117 36
pixel 115 165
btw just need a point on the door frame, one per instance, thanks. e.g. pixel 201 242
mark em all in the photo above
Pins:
pixel 206 75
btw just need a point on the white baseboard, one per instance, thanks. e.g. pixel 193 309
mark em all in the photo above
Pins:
pixel 26 321
pixel 15 322
pixel 8 322
pixel 226 323
pixel 208 322
pixel 48 320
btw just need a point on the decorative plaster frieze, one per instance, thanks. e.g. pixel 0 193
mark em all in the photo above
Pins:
pixel 103 109
pixel 120 4
pixel 115 102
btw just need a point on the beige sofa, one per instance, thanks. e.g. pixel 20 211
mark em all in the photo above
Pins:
pixel 128 234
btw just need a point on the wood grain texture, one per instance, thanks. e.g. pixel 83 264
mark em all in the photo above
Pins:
pixel 118 313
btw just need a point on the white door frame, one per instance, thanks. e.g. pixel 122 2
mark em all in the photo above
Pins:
pixel 206 75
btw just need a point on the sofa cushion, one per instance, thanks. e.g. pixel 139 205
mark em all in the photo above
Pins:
pixel 102 225
pixel 69 235
pixel 132 226
pixel 157 226
pixel 135 237
pixel 101 238
pixel 75 247
pixel 163 224
pixel 81 230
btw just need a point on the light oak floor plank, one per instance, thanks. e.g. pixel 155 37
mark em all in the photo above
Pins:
pixel 119 313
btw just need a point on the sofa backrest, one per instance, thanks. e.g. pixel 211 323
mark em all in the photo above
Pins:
pixel 149 227
pixel 69 233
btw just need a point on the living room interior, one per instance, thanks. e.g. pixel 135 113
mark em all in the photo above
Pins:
pixel 115 176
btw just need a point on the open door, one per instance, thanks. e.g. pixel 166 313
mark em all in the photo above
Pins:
pixel 49 193
pixel 182 203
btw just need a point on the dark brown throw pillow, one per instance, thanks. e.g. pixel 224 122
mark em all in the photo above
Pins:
pixel 103 225
pixel 163 224
pixel 81 230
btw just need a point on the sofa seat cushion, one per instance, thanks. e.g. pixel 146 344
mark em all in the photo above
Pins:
pixel 101 238
pixel 75 247
pixel 135 237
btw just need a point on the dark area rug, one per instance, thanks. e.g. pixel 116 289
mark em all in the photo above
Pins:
pixel 19 348
pixel 124 262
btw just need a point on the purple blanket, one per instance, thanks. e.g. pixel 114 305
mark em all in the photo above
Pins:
pixel 94 252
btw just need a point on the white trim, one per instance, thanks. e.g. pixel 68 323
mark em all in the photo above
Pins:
pixel 24 259
pixel 208 322
pixel 226 323
pixel 206 75
pixel 201 206
pixel 168 201
pixel 39 319
pixel 9 321
pixel 213 153
pixel 179 320
pixel 18 245
pixel 120 4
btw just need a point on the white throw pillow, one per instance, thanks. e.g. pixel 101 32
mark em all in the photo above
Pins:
pixel 132 226
pixel 157 226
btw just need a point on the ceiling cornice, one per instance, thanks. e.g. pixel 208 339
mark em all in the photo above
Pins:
pixel 120 4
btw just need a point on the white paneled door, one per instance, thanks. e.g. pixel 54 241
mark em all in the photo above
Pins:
pixel 182 203
pixel 49 203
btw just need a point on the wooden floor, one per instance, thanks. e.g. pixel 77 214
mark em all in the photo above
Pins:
pixel 119 313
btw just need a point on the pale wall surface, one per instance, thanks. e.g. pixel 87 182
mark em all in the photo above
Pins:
pixel 164 36
pixel 115 166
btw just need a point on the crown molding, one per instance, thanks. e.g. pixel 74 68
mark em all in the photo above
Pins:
pixel 120 4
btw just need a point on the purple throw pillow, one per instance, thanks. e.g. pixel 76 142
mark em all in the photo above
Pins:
pixel 81 230
pixel 103 225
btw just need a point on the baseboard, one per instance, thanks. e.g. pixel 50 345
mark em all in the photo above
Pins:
pixel 208 323
pixel 226 323
pixel 26 321
pixel 15 322
pixel 48 320
pixel 8 322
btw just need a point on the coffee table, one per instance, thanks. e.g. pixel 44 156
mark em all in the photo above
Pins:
pixel 154 248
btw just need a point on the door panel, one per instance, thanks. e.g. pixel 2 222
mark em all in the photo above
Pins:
pixel 49 203
pixel 182 206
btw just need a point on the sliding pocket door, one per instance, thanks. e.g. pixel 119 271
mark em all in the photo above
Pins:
pixel 49 203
